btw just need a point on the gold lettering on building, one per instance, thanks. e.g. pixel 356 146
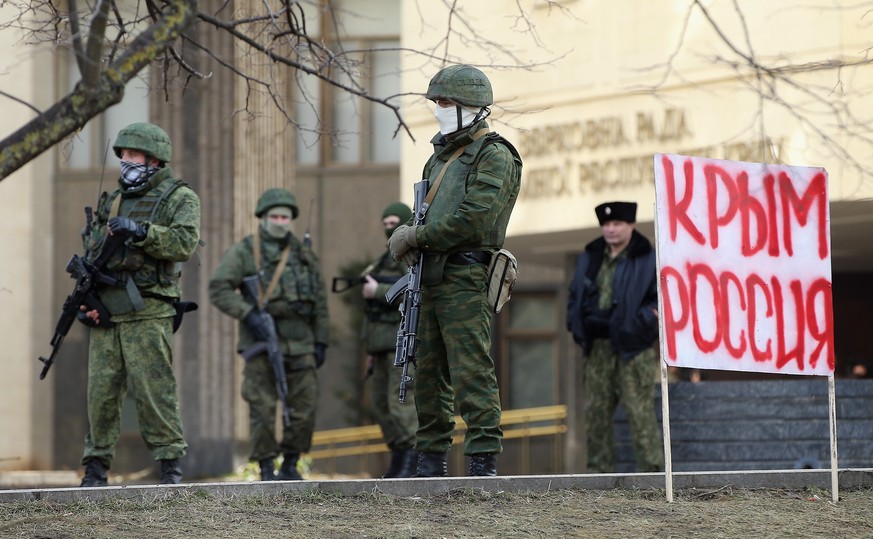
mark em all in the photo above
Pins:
pixel 595 176
pixel 561 160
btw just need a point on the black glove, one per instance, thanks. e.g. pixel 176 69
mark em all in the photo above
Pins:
pixel 128 228
pixel 320 351
pixel 259 323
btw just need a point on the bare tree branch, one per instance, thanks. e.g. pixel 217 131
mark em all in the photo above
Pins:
pixel 23 102
pixel 821 111
pixel 86 101
pixel 274 48
pixel 78 49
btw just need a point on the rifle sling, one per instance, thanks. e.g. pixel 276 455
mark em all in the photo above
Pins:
pixel 283 260
pixel 436 185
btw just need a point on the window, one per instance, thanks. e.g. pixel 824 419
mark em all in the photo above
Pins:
pixel 353 129
pixel 528 350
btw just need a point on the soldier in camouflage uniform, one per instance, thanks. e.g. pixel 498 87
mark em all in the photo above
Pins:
pixel 158 219
pixel 298 304
pixel 397 420
pixel 464 226
pixel 612 313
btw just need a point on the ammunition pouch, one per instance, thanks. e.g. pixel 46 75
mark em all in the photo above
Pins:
pixel 280 308
pixel 283 308
pixel 502 274
pixel 303 309
pixel 122 299
pixel 134 258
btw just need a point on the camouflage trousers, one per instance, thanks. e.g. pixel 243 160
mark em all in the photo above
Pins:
pixel 608 380
pixel 136 355
pixel 259 390
pixel 454 364
pixel 397 420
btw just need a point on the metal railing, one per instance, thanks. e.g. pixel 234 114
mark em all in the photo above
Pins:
pixel 522 424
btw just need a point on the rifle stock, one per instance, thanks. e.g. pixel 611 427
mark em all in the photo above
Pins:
pixel 410 306
pixel 268 344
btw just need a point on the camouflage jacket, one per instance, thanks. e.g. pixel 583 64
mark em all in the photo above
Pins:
pixel 172 212
pixel 472 206
pixel 298 303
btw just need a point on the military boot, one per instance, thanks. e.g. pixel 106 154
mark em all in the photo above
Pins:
pixel 431 465
pixel 394 465
pixel 408 463
pixel 484 464
pixel 288 470
pixel 403 463
pixel 268 470
pixel 95 473
pixel 171 472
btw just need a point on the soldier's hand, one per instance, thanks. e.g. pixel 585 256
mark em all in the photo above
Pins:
pixel 257 322
pixel 369 288
pixel 128 228
pixel 402 240
pixel 93 314
pixel 410 257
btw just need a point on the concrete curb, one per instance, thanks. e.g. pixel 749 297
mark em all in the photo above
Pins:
pixel 849 478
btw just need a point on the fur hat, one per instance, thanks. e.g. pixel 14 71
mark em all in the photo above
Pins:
pixel 616 211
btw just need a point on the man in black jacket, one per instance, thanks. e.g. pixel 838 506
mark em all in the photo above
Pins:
pixel 612 313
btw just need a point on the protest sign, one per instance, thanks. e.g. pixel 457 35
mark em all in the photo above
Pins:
pixel 744 262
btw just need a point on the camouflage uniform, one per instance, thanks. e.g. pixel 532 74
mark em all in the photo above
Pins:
pixel 299 307
pixel 136 352
pixel 464 226
pixel 397 420
pixel 621 365
pixel 469 213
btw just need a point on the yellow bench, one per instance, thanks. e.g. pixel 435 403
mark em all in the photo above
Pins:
pixel 328 444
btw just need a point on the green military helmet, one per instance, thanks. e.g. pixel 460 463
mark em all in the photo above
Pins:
pixel 274 197
pixel 462 84
pixel 147 138
pixel 399 209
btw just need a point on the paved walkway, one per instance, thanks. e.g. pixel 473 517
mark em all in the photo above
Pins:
pixel 848 478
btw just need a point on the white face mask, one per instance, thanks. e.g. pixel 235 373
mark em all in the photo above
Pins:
pixel 448 118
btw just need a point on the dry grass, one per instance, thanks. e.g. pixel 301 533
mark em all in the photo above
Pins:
pixel 726 512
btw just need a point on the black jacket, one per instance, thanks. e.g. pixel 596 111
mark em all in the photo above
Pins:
pixel 633 326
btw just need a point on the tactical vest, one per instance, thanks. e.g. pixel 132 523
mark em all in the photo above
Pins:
pixel 451 194
pixel 297 290
pixel 133 268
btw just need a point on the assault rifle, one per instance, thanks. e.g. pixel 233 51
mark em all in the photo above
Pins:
pixel 410 287
pixel 88 276
pixel 341 284
pixel 264 328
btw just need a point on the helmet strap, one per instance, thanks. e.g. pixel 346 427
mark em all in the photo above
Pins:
pixel 458 113
pixel 483 113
